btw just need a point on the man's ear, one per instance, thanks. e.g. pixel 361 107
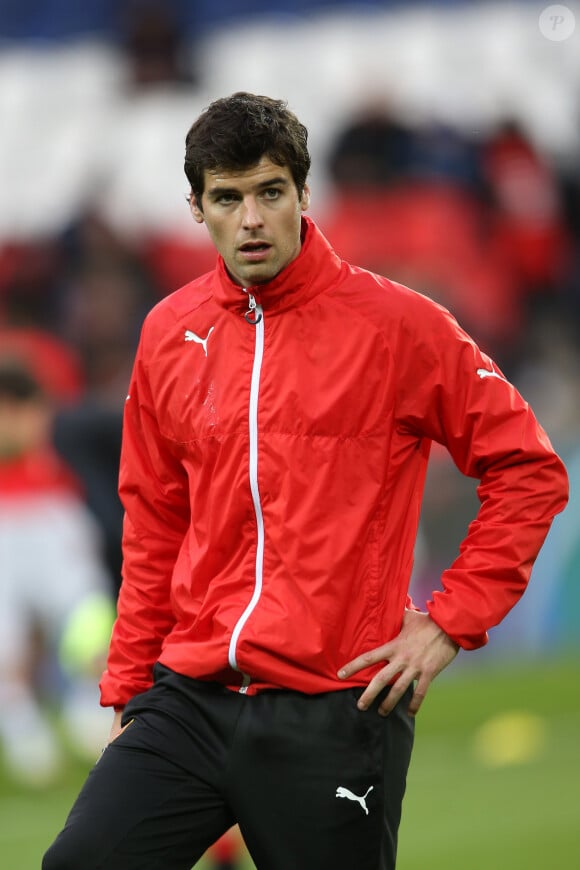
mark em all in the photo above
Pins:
pixel 196 212
pixel 305 198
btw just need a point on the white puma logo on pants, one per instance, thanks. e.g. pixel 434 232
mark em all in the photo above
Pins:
pixel 342 792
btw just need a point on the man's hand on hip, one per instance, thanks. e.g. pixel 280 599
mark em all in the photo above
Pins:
pixel 419 652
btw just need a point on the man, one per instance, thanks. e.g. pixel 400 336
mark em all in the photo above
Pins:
pixel 276 438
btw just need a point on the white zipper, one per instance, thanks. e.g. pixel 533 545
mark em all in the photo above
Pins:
pixel 258 323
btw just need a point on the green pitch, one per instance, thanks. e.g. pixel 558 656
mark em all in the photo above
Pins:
pixel 494 780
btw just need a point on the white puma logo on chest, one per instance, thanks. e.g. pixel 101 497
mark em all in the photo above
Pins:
pixel 192 336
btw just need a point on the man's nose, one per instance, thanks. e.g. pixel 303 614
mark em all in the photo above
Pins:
pixel 251 215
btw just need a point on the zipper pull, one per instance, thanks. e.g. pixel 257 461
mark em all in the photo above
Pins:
pixel 251 315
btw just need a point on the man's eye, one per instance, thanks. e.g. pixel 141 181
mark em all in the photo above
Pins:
pixel 272 193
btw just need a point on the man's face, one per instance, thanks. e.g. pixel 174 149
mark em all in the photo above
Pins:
pixel 25 426
pixel 253 218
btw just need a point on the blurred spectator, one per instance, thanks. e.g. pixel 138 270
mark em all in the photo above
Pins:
pixel 30 282
pixel 479 226
pixel 156 46
pixel 527 214
pixel 372 150
pixel 104 308
pixel 107 293
pixel 52 362
pixel 50 565
pixel 437 152
pixel 408 205
pixel 88 437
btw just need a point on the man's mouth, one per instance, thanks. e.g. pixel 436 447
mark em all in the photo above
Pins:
pixel 254 248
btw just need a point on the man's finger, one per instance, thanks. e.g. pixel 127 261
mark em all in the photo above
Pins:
pixel 419 695
pixel 396 692
pixel 415 703
pixel 374 688
pixel 366 660
pixel 389 674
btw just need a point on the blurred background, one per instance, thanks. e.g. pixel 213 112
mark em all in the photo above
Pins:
pixel 445 139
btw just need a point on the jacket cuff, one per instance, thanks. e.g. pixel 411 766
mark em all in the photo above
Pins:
pixel 465 641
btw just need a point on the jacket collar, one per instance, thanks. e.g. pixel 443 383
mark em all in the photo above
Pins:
pixel 315 268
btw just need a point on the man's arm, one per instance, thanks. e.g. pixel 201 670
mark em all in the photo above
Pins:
pixel 463 401
pixel 154 490
pixel 452 393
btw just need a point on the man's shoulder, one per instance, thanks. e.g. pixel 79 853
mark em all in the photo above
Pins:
pixel 389 296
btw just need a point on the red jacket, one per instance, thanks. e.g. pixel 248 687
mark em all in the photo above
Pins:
pixel 272 477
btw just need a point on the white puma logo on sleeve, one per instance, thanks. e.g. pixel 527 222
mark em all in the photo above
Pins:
pixel 489 373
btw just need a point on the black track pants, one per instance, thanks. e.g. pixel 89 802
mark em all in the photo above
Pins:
pixel 313 783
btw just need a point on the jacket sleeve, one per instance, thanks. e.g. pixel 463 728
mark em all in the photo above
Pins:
pixel 454 394
pixel 154 491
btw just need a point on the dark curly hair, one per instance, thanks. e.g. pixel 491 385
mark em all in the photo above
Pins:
pixel 234 133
